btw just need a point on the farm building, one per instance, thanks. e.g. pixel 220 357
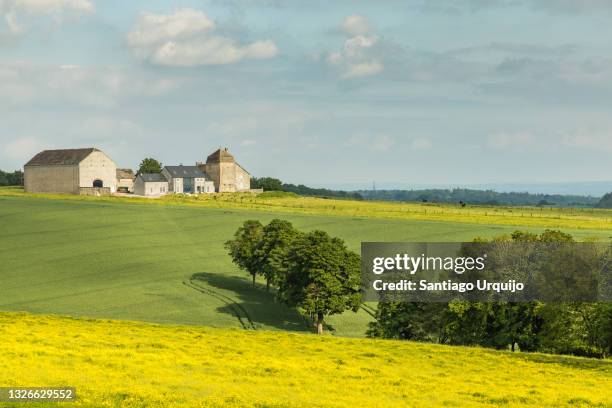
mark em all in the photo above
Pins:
pixel 226 174
pixel 187 179
pixel 150 185
pixel 72 171
pixel 125 180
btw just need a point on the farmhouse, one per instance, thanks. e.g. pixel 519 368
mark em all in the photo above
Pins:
pixel 72 171
pixel 226 174
pixel 187 179
pixel 90 171
pixel 152 185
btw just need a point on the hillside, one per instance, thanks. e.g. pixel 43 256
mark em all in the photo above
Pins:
pixel 131 364
pixel 122 259
pixel 543 217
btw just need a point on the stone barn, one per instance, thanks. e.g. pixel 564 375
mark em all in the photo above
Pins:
pixel 71 171
pixel 227 175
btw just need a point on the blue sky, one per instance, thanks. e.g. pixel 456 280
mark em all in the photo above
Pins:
pixel 320 93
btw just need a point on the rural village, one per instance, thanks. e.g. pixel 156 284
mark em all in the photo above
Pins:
pixel 90 171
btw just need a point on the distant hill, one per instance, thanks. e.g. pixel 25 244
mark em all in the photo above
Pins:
pixel 580 188
pixel 462 196
pixel 480 197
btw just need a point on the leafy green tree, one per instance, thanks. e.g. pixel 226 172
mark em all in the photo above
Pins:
pixel 601 331
pixel 149 165
pixel 417 321
pixel 242 247
pixel 267 183
pixel 4 180
pixel 272 250
pixel 322 277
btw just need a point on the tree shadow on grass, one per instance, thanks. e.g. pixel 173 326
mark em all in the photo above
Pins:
pixel 253 306
pixel 569 361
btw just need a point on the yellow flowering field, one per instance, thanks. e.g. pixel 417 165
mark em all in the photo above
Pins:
pixel 130 364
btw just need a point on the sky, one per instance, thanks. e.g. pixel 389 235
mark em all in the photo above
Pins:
pixel 321 93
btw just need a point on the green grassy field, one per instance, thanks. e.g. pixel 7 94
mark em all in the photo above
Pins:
pixel 547 217
pixel 125 259
pixel 131 364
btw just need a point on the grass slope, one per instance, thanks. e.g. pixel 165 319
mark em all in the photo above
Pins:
pixel 166 263
pixel 574 218
pixel 127 364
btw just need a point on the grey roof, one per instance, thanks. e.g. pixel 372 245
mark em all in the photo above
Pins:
pixel 63 157
pixel 220 156
pixel 185 172
pixel 152 177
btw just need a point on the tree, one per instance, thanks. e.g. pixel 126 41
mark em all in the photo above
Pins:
pixel 322 277
pixel 267 183
pixel 149 165
pixel 606 201
pixel 272 250
pixel 242 247
pixel 417 321
pixel 11 179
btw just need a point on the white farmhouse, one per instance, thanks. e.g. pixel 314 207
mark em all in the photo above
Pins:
pixel 152 185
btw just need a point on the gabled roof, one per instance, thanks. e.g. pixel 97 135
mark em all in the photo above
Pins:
pixel 152 178
pixel 245 170
pixel 63 157
pixel 220 156
pixel 185 172
pixel 125 174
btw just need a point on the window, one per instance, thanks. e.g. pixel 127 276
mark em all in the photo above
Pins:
pixel 98 183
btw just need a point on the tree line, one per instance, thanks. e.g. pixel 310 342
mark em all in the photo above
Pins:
pixel 274 184
pixel 311 271
pixel 14 178
pixel 578 328
pixel 461 196
pixel 480 197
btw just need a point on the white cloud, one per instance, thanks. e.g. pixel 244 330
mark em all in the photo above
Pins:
pixel 363 69
pixel 47 6
pixel 355 25
pixel 187 38
pixel 589 138
pixel 15 11
pixel 23 84
pixel 358 57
